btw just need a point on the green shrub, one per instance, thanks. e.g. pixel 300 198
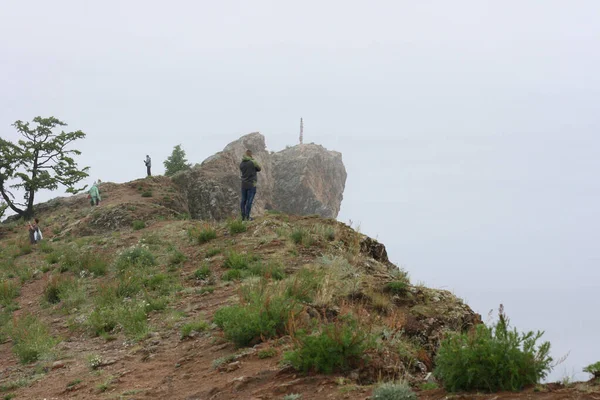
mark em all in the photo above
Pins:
pixel 232 275
pixel 195 326
pixel 272 270
pixel 492 359
pixel 76 261
pixel 304 284
pixel 236 260
pixel 31 338
pixel 213 252
pixel 292 396
pixel 302 236
pixel 25 248
pixel 53 258
pixel 45 247
pixel 8 292
pixel 396 287
pixel 394 391
pixel 135 257
pixel 325 231
pixel 137 225
pixel 337 347
pixel 206 235
pixel 593 369
pixel 263 316
pixel 203 273
pixel 428 386
pixel 177 258
pixel 58 288
pixel 147 193
pixel 236 226
pixel 130 317
pixel 267 353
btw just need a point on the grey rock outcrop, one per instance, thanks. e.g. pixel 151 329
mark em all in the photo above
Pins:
pixel 309 179
pixel 304 179
pixel 212 189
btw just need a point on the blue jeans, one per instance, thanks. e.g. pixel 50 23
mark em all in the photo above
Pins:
pixel 247 199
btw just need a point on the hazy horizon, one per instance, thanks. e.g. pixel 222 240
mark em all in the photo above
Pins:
pixel 469 130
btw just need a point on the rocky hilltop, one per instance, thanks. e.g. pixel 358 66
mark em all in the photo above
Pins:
pixel 303 180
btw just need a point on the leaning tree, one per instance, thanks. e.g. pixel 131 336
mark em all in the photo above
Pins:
pixel 40 160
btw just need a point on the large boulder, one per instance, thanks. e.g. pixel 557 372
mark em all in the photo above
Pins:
pixel 212 188
pixel 304 179
pixel 309 179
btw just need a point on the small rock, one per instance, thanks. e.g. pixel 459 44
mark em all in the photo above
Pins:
pixel 58 364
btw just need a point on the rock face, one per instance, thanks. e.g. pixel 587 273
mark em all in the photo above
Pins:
pixel 304 179
pixel 212 188
pixel 309 179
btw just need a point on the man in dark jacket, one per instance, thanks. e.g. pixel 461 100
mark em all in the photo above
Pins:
pixel 249 167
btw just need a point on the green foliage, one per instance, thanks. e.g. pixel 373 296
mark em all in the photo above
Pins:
pixel 53 258
pixel 233 275
pixel 429 386
pixel 136 257
pixel 147 193
pixel 203 273
pixel 213 252
pixel 236 260
pixel 31 338
pixel 77 260
pixel 593 369
pixel 177 258
pixel 292 396
pixel 236 226
pixel 195 326
pixel 58 288
pixel 137 225
pixel 337 347
pixel 130 317
pixel 206 235
pixel 263 315
pixel 8 292
pixel 267 353
pixel 38 161
pixel 492 359
pixel 176 161
pixel 302 236
pixel 396 287
pixel 394 391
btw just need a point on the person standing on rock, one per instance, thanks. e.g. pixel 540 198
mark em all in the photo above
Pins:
pixel 148 163
pixel 94 194
pixel 249 167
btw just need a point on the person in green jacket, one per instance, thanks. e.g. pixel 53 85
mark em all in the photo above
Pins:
pixel 94 193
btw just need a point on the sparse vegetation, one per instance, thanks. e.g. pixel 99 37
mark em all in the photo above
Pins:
pixel 394 391
pixel 267 353
pixel 31 338
pixel 335 347
pixel 213 252
pixel 147 193
pixel 8 292
pixel 206 235
pixel 302 236
pixel 236 226
pixel 593 369
pixel 203 273
pixel 492 359
pixel 194 326
pixel 137 225
pixel 396 287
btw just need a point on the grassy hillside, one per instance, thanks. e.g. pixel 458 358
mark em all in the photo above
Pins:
pixel 133 300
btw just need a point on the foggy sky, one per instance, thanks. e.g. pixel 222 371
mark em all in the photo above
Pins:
pixel 469 129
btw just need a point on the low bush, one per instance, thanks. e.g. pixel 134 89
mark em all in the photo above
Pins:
pixel 136 257
pixel 302 236
pixel 195 326
pixel 236 226
pixel 336 347
pixel 267 353
pixel 593 369
pixel 53 258
pixel 394 391
pixel 396 287
pixel 77 260
pixel 147 193
pixel 203 273
pixel 206 235
pixel 236 260
pixel 177 258
pixel 264 315
pixel 213 252
pixel 492 359
pixel 137 225
pixel 31 338
pixel 9 290
pixel 59 288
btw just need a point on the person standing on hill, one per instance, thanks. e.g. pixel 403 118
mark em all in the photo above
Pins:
pixel 249 167
pixel 148 163
pixel 35 235
pixel 94 194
